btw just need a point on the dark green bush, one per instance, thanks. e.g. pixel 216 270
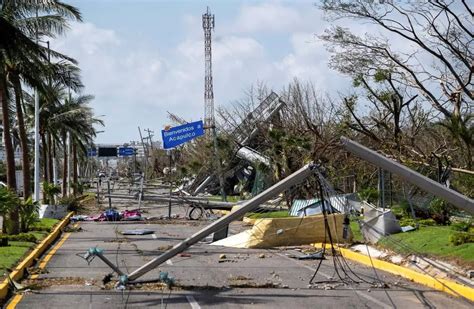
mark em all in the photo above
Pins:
pixel 407 221
pixel 427 222
pixel 460 238
pixel 20 237
pixel 462 226
pixel 40 228
pixel 441 211
pixel 369 194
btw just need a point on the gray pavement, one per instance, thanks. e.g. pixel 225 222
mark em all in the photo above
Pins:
pixel 251 278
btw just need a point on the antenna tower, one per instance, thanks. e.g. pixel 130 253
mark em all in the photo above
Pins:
pixel 208 25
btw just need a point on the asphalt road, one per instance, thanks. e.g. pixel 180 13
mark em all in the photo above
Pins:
pixel 250 278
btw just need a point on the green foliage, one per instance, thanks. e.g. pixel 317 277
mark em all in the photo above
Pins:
pixel 11 254
pixel 430 241
pixel 369 194
pixel 28 213
pixel 72 203
pixel 356 233
pixel 8 200
pixel 459 238
pixel 20 237
pixel 462 226
pixel 427 222
pixel 407 221
pixel 45 224
pixel 464 183
pixel 441 211
pixel 404 210
pixel 50 190
pixel 381 75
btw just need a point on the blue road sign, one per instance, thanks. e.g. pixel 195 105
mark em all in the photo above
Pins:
pixel 92 152
pixel 181 134
pixel 126 151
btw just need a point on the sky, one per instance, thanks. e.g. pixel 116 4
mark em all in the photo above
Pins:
pixel 143 58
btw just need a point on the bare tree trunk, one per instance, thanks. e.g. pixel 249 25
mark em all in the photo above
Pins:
pixel 23 138
pixel 44 157
pixel 9 154
pixel 65 158
pixel 50 158
pixel 74 168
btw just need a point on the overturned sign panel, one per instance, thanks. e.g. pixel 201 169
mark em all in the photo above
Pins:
pixel 181 134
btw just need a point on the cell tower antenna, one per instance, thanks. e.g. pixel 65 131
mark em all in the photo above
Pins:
pixel 208 25
pixel 209 120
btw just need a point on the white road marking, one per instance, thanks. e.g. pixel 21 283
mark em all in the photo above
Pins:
pixel 154 236
pixel 169 262
pixel 192 301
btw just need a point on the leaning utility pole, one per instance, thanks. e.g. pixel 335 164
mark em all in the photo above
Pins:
pixel 209 120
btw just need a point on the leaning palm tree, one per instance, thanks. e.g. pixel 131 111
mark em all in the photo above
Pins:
pixel 36 20
pixel 13 43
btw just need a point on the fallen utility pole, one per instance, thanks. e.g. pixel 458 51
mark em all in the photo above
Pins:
pixel 290 181
pixel 425 183
pixel 285 184
pixel 206 204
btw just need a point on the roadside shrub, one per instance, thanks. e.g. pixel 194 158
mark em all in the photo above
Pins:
pixel 20 237
pixel 369 194
pixel 462 226
pixel 8 202
pixel 40 228
pixel 407 221
pixel 441 211
pixel 427 222
pixel 28 214
pixel 398 212
pixel 50 190
pixel 460 238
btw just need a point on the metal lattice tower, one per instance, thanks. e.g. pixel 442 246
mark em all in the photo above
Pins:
pixel 208 25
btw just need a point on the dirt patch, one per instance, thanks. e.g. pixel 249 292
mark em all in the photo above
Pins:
pixel 41 283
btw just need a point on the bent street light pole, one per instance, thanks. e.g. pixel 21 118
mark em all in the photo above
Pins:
pixel 218 225
pixel 425 183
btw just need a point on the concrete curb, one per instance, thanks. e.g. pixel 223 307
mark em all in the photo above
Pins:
pixel 19 270
pixel 444 285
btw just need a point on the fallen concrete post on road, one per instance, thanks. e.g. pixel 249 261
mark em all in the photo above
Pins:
pixel 247 206
pixel 292 180
pixel 205 203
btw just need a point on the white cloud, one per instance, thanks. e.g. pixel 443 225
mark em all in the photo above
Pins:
pixel 267 17
pixel 137 86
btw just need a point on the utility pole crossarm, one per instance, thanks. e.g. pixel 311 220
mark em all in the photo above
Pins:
pixel 457 199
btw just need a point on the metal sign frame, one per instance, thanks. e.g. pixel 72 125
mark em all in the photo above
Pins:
pixel 181 134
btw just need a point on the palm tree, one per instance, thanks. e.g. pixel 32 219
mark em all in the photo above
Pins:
pixel 20 21
pixel 13 42
pixel 34 19
pixel 76 119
